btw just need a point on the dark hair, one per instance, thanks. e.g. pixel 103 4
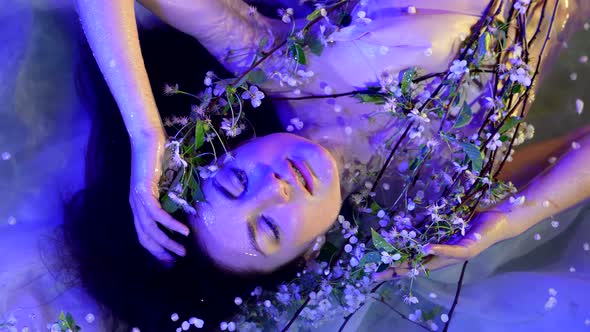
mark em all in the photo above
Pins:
pixel 98 229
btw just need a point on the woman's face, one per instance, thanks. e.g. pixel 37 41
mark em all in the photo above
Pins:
pixel 266 205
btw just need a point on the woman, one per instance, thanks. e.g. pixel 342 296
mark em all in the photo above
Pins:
pixel 329 135
pixel 337 133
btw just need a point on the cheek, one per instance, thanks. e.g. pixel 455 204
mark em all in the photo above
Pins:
pixel 316 219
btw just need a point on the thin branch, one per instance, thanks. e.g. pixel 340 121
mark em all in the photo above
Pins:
pixel 343 94
pixel 400 314
pixel 456 300
pixel 392 152
pixel 295 315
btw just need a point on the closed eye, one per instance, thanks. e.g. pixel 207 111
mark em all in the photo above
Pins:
pixel 232 183
pixel 272 225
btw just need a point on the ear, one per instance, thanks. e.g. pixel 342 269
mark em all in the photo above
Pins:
pixel 313 251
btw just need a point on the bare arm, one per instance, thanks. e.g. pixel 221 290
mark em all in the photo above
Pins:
pixel 112 33
pixel 564 185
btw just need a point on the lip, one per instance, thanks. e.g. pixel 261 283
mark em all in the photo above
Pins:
pixel 305 172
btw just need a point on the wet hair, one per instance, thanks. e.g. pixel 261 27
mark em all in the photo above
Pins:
pixel 99 231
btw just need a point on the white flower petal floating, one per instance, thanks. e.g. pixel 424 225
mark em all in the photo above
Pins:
pixel 579 106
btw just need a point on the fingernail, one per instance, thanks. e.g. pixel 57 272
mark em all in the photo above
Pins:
pixel 186 232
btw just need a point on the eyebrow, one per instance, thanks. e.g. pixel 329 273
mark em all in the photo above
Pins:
pixel 252 237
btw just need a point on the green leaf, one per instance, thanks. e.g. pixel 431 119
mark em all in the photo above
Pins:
pixel 371 98
pixel 70 321
pixel 483 44
pixel 370 257
pixel 316 47
pixel 416 162
pixel 465 116
pixel 327 252
pixel 510 123
pixel 315 14
pixel 375 207
pixel 297 52
pixel 474 155
pixel 168 204
pixel 257 76
pixel 407 78
pixel 431 314
pixel 195 187
pixel 199 135
pixel 518 89
pixel 380 243
pixel 263 42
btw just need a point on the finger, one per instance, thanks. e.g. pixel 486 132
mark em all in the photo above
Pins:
pixel 149 244
pixel 438 262
pixel 452 251
pixel 384 275
pixel 157 212
pixel 162 239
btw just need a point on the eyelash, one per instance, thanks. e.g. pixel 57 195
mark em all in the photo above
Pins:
pixel 273 226
pixel 242 177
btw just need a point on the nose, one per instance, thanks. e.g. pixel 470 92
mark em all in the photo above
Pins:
pixel 276 189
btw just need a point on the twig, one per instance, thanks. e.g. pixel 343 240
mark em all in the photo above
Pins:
pixel 392 152
pixel 295 315
pixel 400 314
pixel 343 94
pixel 459 285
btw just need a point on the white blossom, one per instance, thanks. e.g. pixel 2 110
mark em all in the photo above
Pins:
pixel 521 75
pixel 11 221
pixel 198 323
pixel 458 68
pixel 89 318
pixel 517 200
pixel 252 11
pixel 551 302
pixel 286 14
pixel 462 224
pixel 362 18
pixel 522 5
pixel 185 325
pixel 420 116
pixel 579 106
pixel 410 299
pixel 230 128
pixel 254 94
pixel 386 258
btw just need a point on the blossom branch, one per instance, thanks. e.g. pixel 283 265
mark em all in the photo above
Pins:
pixel 456 300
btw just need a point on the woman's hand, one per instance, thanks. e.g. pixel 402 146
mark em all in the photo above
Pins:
pixel 146 163
pixel 488 228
